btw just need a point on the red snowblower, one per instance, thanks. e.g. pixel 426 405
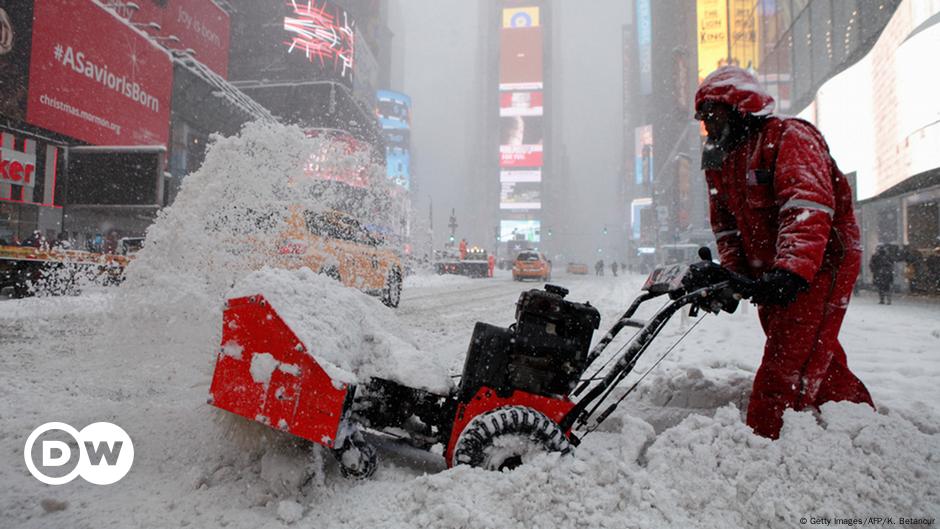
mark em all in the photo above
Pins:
pixel 523 389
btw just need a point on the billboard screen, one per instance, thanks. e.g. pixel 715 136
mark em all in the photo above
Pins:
pixel 394 109
pixel 520 104
pixel 520 142
pixel 398 156
pixel 644 40
pixel 643 154
pixel 520 196
pixel 520 59
pixel 521 17
pixel 520 230
pixel 198 24
pixel 323 34
pixel 97 81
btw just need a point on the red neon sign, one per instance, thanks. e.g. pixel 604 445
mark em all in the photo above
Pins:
pixel 324 33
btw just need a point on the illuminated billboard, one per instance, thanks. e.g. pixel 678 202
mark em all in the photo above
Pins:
pixel 324 34
pixel 520 230
pixel 520 59
pixel 520 142
pixel 520 190
pixel 520 17
pixel 99 81
pixel 643 154
pixel 719 35
pixel 520 196
pixel 712 21
pixel 398 156
pixel 394 109
pixel 394 112
pixel 644 43
pixel 520 104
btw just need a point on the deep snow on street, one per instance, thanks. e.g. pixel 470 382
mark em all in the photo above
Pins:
pixel 675 454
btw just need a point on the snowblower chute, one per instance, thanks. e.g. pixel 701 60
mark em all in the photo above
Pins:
pixel 265 373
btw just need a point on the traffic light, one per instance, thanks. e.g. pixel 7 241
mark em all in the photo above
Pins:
pixel 605 230
pixel 451 238
pixel 549 232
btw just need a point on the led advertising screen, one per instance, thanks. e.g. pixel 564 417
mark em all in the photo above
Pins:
pixel 520 230
pixel 520 196
pixel 322 33
pixel 394 109
pixel 97 81
pixel 643 154
pixel 198 24
pixel 521 17
pixel 398 156
pixel 520 59
pixel 520 104
pixel 520 142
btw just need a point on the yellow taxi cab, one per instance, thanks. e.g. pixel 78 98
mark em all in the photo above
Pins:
pixel 531 265
pixel 577 268
pixel 336 244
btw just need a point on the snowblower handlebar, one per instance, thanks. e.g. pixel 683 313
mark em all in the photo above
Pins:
pixel 703 285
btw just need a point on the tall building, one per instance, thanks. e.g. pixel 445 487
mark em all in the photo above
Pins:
pixel 664 187
pixel 520 149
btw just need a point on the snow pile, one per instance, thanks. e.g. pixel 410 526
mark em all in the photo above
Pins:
pixel 227 217
pixel 705 472
pixel 349 333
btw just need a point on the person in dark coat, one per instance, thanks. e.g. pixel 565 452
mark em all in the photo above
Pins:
pixel 599 268
pixel 882 271
pixel 613 268
pixel 782 214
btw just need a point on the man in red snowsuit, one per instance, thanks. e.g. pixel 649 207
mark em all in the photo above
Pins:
pixel 782 214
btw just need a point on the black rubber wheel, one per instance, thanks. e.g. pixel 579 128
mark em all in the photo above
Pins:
pixel 507 437
pixel 356 457
pixel 391 293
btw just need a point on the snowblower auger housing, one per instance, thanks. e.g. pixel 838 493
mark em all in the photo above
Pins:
pixel 519 392
pixel 264 373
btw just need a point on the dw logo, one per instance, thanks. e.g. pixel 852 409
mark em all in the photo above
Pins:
pixel 104 456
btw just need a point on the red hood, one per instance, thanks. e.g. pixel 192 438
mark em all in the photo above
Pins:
pixel 736 87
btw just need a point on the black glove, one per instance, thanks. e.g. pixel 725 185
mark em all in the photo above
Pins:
pixel 778 287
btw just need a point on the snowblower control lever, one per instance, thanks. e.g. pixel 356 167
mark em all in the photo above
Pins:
pixel 703 285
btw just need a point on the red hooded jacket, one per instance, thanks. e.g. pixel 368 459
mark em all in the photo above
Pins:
pixel 779 200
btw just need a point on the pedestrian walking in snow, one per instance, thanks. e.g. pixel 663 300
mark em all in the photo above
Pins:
pixel 599 268
pixel 882 271
pixel 782 214
pixel 613 268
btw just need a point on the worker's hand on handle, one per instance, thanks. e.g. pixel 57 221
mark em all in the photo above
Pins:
pixel 778 287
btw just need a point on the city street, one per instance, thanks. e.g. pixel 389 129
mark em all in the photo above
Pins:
pixel 82 358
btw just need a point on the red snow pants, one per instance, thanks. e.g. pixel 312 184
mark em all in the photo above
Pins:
pixel 804 365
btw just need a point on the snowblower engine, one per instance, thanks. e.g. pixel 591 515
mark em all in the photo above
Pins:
pixel 544 352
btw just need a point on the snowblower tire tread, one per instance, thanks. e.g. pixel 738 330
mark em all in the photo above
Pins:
pixel 482 432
